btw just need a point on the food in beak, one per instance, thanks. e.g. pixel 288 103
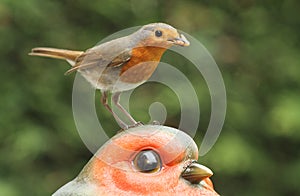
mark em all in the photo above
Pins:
pixel 181 41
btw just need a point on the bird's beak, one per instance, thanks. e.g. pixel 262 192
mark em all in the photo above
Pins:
pixel 194 173
pixel 180 40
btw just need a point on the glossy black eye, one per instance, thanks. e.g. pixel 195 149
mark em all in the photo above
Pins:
pixel 158 33
pixel 147 161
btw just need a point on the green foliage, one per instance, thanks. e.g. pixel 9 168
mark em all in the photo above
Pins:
pixel 255 44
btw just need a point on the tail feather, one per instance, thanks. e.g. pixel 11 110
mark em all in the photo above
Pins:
pixel 68 55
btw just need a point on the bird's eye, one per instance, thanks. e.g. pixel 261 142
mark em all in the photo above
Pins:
pixel 158 33
pixel 147 161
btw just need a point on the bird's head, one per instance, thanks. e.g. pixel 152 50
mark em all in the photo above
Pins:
pixel 160 35
pixel 148 160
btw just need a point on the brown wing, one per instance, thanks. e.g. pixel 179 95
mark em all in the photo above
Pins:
pixel 92 58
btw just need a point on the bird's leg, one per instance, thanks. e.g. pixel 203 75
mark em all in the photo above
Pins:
pixel 116 99
pixel 105 103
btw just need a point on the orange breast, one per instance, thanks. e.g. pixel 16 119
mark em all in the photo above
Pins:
pixel 142 64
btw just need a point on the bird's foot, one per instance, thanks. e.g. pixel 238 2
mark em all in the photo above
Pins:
pixel 155 122
pixel 136 124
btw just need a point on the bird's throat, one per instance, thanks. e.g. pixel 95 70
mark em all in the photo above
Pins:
pixel 142 64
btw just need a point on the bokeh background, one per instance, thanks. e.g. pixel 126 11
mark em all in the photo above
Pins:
pixel 255 44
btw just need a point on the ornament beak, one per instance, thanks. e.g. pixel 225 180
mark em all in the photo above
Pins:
pixel 195 173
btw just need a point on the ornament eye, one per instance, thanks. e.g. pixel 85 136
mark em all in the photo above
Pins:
pixel 158 33
pixel 147 161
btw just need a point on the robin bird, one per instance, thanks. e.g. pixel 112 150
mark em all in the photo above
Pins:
pixel 120 64
pixel 144 160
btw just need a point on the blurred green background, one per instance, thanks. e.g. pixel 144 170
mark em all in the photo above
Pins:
pixel 255 44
